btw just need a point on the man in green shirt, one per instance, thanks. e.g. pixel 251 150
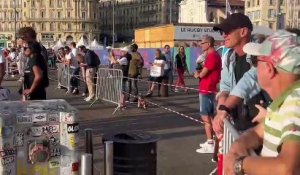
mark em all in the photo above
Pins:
pixel 278 70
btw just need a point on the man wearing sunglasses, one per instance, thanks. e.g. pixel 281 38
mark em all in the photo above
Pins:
pixel 278 70
pixel 238 70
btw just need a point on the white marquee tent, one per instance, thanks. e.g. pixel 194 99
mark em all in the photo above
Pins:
pixel 82 42
pixel 95 45
pixel 58 45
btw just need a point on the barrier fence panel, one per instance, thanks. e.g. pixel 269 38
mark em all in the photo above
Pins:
pixel 109 85
pixel 10 68
pixel 230 135
pixel 63 75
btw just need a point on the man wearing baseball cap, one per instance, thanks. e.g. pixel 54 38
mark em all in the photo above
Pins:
pixel 278 70
pixel 238 78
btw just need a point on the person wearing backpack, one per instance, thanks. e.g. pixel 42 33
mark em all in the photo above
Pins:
pixel 92 61
pixel 135 66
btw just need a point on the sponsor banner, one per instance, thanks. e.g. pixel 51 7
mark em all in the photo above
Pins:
pixel 195 33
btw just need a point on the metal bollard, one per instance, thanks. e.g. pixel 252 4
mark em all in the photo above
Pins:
pixel 86 164
pixel 89 145
pixel 108 154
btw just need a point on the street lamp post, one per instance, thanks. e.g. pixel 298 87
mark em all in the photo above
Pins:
pixel 15 9
pixel 113 24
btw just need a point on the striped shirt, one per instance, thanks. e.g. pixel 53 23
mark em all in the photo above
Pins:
pixel 282 122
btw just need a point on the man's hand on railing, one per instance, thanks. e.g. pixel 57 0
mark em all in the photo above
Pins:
pixel 237 150
pixel 262 112
pixel 218 122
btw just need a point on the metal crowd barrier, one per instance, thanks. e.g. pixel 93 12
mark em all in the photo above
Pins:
pixel 63 76
pixel 109 86
pixel 10 68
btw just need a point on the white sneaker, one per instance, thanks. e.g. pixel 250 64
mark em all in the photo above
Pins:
pixel 205 143
pixel 209 149
pixel 88 99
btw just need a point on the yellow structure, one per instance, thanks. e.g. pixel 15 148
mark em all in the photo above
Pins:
pixel 188 35
pixel 67 20
pixel 264 13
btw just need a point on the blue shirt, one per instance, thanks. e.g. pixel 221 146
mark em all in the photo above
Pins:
pixel 246 88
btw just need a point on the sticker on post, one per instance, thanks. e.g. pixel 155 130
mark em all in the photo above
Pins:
pixel 37 131
pixel 67 117
pixel 6 131
pixel 19 139
pixel 7 160
pixel 53 117
pixel 24 119
pixel 73 128
pixel 41 117
pixel 54 164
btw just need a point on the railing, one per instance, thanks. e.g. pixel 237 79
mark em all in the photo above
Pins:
pixel 109 86
pixel 63 76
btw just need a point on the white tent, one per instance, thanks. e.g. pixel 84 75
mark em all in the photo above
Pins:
pixel 262 30
pixel 58 45
pixel 82 42
pixel 95 45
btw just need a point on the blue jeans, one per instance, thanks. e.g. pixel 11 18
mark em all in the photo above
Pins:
pixel 207 104
pixel 74 77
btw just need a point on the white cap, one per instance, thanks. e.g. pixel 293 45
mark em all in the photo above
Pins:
pixel 108 47
pixel 125 49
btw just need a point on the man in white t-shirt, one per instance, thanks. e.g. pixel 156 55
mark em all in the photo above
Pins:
pixel 2 66
pixel 74 70
pixel 74 49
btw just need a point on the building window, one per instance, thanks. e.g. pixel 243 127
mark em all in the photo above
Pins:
pixel 69 27
pixel 32 25
pixel 271 13
pixel 83 26
pixel 257 3
pixel 95 26
pixel 43 26
pixel 69 14
pixel 43 3
pixel 32 13
pixel 24 4
pixel 58 27
pixel 69 3
pixel 298 14
pixel 59 3
pixel 95 15
pixel 58 15
pixel 83 15
pixel 51 14
pixel 51 4
pixel 271 25
pixel 51 26
pixel 248 3
pixel 272 2
pixel 83 3
pixel 32 3
pixel 42 14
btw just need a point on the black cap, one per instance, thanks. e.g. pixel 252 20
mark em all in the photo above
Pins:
pixel 234 21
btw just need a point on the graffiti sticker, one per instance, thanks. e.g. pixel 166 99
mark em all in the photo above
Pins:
pixel 19 139
pixel 7 160
pixel 40 130
pixel 55 152
pixel 24 119
pixel 54 164
pixel 41 117
pixel 72 128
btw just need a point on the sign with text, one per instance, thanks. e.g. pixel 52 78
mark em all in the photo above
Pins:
pixel 195 33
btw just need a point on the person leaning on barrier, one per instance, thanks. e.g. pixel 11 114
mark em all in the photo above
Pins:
pixel 74 70
pixel 91 64
pixel 135 66
pixel 81 60
pixel 35 75
pixel 278 67
pixel 123 64
pixel 237 71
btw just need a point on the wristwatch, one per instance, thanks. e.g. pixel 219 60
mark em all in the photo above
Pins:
pixel 224 108
pixel 238 166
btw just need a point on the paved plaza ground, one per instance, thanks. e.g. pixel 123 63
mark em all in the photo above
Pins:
pixel 179 136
